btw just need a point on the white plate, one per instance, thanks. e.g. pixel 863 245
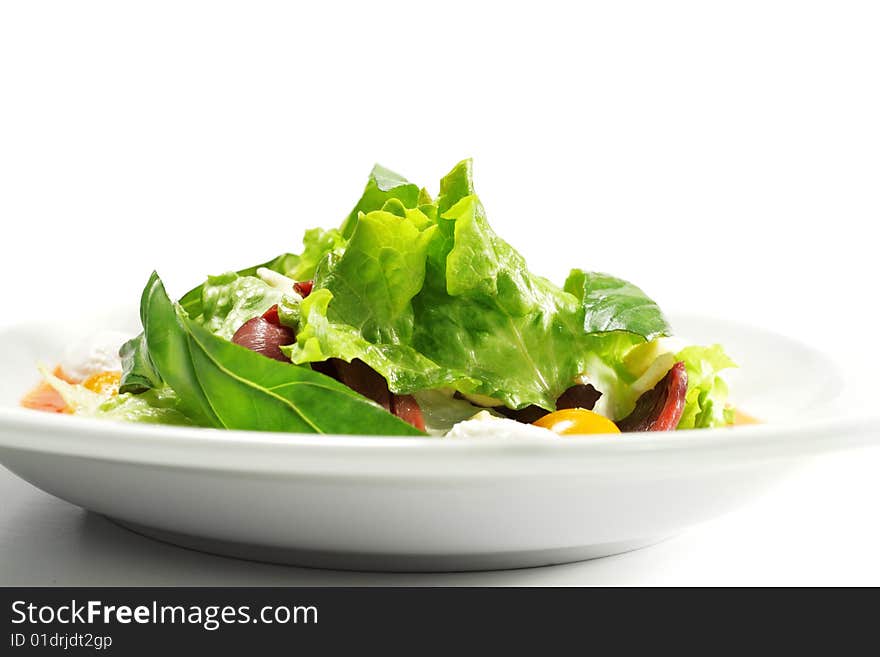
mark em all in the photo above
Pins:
pixel 427 504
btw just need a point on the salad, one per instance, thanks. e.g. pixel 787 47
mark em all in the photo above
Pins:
pixel 411 317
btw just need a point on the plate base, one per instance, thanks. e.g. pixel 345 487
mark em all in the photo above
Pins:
pixel 389 562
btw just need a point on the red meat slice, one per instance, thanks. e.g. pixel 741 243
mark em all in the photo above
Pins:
pixel 660 408
pixel 578 396
pixel 407 409
pixel 363 379
pixel 303 288
pixel 264 337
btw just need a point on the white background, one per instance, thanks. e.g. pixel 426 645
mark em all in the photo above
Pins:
pixel 724 156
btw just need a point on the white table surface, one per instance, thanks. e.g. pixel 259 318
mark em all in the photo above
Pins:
pixel 818 528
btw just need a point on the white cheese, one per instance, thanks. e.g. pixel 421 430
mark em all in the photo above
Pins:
pixel 278 281
pixel 486 425
pixel 98 352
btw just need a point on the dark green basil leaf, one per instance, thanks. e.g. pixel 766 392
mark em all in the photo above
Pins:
pixel 169 350
pixel 234 388
pixel 138 372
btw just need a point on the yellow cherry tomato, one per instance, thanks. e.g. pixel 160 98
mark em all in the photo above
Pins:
pixel 104 383
pixel 574 421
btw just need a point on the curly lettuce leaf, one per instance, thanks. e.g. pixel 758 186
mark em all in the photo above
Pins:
pixel 706 404
pixel 426 293
pixel 484 314
pixel 605 369
pixel 318 244
pixel 319 338
pixel 382 186
pixel 192 300
pixel 623 367
pixel 382 269
pixel 229 300
pixel 441 302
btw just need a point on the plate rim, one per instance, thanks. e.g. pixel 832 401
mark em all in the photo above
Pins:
pixel 368 456
pixel 176 446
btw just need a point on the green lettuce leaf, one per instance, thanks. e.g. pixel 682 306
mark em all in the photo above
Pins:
pixel 382 186
pixel 442 411
pixel 613 304
pixel 191 302
pixel 318 244
pixel 427 294
pixel 605 368
pixel 229 300
pixel 624 367
pixel 432 297
pixel 441 302
pixel 157 406
pixel 382 269
pixel 706 404
pixel 318 338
